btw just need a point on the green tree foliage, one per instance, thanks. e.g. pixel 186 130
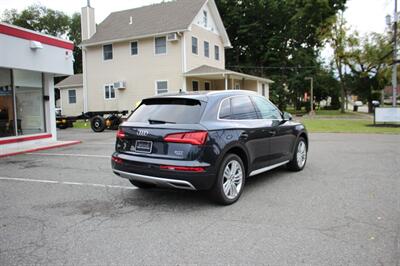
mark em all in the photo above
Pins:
pixel 49 21
pixel 280 39
pixel 369 60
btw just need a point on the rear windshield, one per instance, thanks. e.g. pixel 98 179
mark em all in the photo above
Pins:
pixel 168 111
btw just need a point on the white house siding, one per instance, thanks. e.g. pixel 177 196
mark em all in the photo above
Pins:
pixel 140 72
pixel 73 109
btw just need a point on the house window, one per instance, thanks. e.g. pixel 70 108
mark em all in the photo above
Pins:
pixel 72 96
pixel 195 45
pixel 205 18
pixel 216 50
pixel 161 45
pixel 109 92
pixel 108 52
pixel 206 49
pixel 207 86
pixel 134 48
pixel 162 87
pixel 195 85
pixel 237 86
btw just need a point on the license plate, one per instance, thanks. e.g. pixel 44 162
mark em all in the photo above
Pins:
pixel 143 146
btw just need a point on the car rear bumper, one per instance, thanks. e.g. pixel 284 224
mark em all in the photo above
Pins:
pixel 158 181
pixel 148 170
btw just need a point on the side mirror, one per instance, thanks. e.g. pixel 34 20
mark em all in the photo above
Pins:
pixel 287 116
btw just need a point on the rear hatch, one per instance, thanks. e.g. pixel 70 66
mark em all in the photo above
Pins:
pixel 165 128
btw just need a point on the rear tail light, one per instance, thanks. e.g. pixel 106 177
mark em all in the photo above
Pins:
pixel 116 160
pixel 194 138
pixel 120 134
pixel 182 168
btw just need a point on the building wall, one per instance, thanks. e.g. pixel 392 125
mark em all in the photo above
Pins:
pixel 17 54
pixel 74 109
pixel 140 72
pixel 193 60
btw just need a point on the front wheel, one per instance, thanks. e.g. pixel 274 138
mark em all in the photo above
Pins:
pixel 98 124
pixel 299 159
pixel 230 180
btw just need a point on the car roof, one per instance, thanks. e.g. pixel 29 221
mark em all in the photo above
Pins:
pixel 205 95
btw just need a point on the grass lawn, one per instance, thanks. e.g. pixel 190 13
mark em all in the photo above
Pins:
pixel 348 126
pixel 82 124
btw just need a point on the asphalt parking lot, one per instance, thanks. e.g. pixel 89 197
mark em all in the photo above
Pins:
pixel 64 206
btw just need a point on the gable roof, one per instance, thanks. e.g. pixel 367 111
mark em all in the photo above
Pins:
pixel 71 81
pixel 157 19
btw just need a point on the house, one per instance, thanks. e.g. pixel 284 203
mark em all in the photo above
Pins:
pixel 71 95
pixel 166 47
pixel 29 61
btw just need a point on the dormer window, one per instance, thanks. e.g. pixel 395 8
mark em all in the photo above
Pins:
pixel 205 18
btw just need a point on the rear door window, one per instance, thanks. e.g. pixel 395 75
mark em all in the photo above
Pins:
pixel 168 111
pixel 237 108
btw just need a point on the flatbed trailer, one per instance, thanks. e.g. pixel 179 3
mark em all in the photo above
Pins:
pixel 99 121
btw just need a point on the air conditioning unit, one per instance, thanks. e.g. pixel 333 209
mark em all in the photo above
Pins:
pixel 172 37
pixel 120 85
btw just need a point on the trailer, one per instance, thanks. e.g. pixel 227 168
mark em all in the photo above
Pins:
pixel 99 121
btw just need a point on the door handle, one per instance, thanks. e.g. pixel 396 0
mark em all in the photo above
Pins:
pixel 272 132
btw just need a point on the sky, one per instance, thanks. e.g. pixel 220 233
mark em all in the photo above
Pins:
pixel 362 15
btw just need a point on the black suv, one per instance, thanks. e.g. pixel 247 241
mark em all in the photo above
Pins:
pixel 207 141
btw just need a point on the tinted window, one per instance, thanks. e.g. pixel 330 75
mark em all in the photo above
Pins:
pixel 266 109
pixel 169 110
pixel 237 108
pixel 225 110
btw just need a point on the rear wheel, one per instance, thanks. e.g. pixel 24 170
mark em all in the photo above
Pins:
pixel 140 184
pixel 98 124
pixel 230 180
pixel 299 159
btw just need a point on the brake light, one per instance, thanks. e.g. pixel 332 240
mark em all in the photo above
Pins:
pixel 120 134
pixel 116 160
pixel 194 138
pixel 182 168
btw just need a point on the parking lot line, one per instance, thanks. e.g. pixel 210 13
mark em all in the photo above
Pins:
pixel 70 155
pixel 64 183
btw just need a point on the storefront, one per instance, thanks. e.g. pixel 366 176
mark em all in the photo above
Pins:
pixel 29 61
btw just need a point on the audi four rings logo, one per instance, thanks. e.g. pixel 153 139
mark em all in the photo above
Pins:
pixel 142 133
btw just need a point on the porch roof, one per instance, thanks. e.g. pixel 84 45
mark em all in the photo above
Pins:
pixel 218 73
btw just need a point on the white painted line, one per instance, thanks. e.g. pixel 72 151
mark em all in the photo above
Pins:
pixel 69 155
pixel 65 183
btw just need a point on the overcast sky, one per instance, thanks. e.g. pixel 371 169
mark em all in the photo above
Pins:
pixel 362 15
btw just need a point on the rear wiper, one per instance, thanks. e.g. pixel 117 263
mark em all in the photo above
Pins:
pixel 153 121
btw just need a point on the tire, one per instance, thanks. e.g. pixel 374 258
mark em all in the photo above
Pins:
pixel 62 126
pixel 299 159
pixel 98 124
pixel 233 188
pixel 141 185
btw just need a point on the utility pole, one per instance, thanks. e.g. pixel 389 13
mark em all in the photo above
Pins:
pixel 311 79
pixel 394 73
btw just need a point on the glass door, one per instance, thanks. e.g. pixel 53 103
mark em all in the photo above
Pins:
pixel 7 122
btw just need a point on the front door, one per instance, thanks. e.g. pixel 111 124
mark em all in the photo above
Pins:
pixel 279 135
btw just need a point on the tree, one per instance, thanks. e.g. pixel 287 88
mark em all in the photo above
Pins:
pixel 280 39
pixel 368 58
pixel 49 21
pixel 338 41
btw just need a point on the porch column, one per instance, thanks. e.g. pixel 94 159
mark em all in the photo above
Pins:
pixel 226 82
